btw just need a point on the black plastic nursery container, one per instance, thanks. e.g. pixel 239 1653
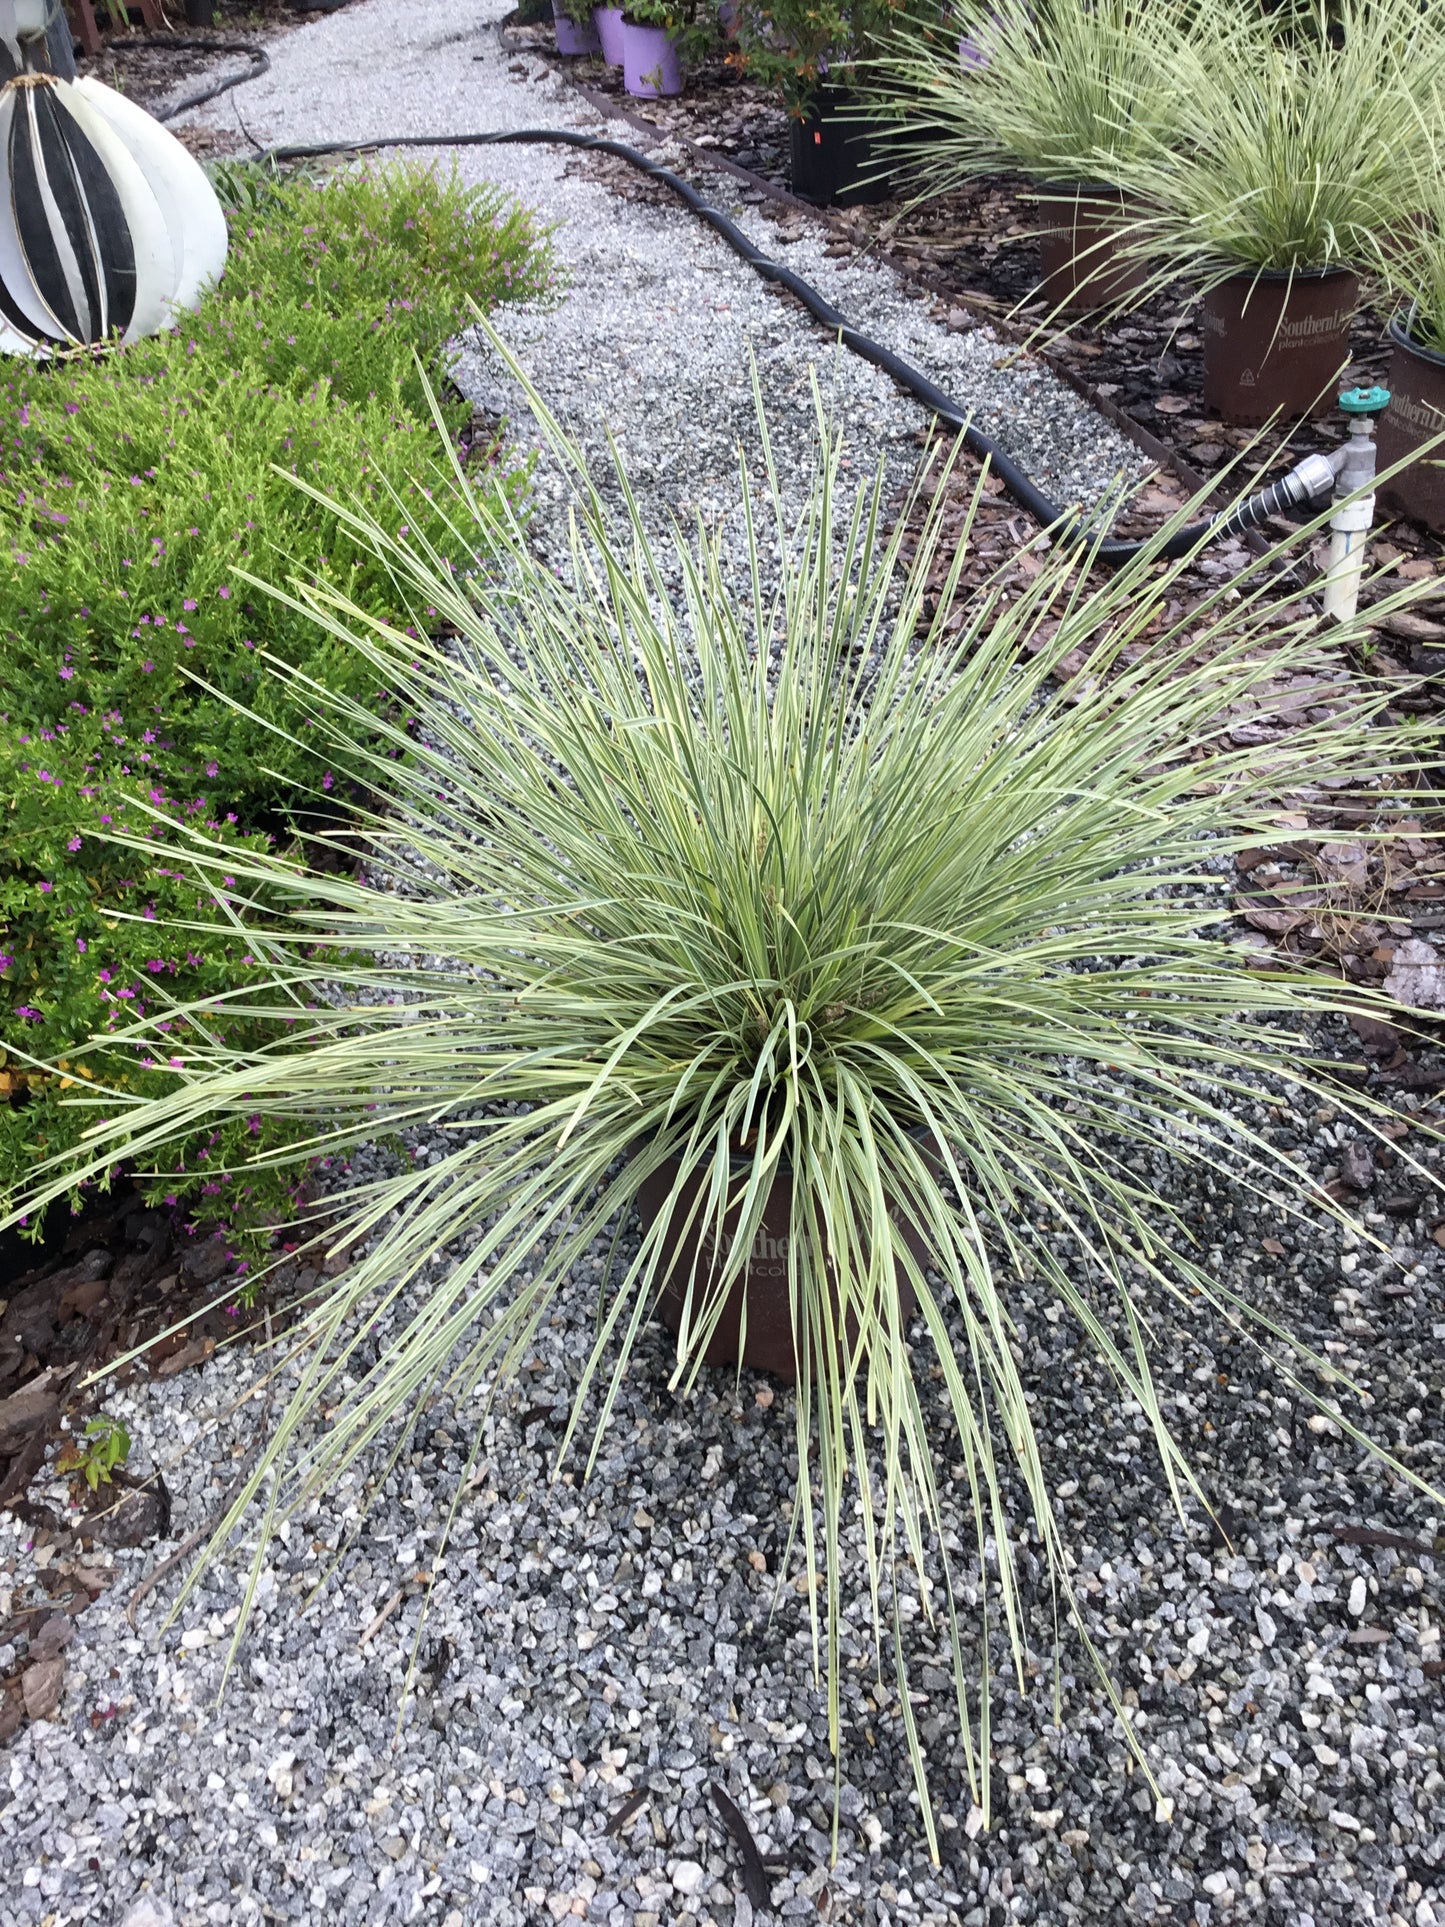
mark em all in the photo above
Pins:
pixel 837 158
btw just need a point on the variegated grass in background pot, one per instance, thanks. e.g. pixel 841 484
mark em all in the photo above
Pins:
pixel 809 887
pixel 1301 145
pixel 1258 155
pixel 1067 93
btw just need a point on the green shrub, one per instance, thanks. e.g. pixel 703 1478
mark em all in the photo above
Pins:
pixel 794 44
pixel 137 485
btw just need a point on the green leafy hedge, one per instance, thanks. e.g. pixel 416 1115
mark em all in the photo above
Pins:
pixel 136 486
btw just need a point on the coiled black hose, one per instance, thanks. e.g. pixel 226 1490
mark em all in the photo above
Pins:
pixel 1064 525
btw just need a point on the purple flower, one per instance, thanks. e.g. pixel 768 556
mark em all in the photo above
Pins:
pixel 81 945
pixel 224 593
pixel 190 601
pixel 74 844
pixel 28 1011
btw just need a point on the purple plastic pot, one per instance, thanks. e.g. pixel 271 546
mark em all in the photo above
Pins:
pixel 572 37
pixel 650 66
pixel 972 58
pixel 608 22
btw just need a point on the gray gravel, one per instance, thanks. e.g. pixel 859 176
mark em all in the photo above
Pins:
pixel 582 1644
pixel 585 1643
pixel 653 341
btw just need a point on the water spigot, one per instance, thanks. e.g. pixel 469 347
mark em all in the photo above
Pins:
pixel 1354 460
pixel 1364 401
pixel 1353 463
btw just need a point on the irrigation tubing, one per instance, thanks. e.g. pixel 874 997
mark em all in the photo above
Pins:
pixel 182 43
pixel 1064 525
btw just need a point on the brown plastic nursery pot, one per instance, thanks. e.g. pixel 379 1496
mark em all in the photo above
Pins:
pixel 1081 266
pixel 1415 416
pixel 763 1286
pixel 1275 342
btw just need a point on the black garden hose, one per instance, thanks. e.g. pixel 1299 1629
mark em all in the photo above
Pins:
pixel 1064 524
pixel 183 43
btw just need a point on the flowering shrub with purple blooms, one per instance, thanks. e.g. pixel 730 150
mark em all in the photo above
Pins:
pixel 136 487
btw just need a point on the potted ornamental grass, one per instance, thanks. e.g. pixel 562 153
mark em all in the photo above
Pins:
pixel 778 946
pixel 1063 92
pixel 1299 146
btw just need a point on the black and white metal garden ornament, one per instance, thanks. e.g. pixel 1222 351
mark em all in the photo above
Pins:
pixel 108 227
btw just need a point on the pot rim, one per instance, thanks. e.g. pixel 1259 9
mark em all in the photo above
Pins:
pixel 1399 332
pixel 1278 276
pixel 1052 190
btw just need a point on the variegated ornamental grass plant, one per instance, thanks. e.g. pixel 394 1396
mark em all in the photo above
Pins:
pixel 1063 91
pixel 1302 140
pixel 820 883
pixel 1243 138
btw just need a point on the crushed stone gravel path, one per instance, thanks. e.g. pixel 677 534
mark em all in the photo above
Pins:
pixel 642 1634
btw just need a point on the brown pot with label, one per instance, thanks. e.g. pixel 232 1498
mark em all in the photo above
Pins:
pixel 764 1285
pixel 1276 341
pixel 1415 416
pixel 1081 264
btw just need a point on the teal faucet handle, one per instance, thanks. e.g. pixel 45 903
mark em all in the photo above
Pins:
pixel 1364 401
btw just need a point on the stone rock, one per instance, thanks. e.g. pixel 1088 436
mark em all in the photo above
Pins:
pixel 1417 975
pixel 148 1911
pixel 688 1877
